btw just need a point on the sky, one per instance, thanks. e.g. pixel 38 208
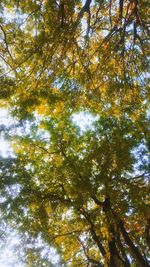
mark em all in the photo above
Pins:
pixel 9 256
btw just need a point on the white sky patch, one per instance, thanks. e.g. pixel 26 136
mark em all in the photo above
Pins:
pixel 5 148
pixel 9 256
pixel 5 120
pixel 5 117
pixel 84 120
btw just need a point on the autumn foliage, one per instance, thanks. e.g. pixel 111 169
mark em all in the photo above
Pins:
pixel 83 190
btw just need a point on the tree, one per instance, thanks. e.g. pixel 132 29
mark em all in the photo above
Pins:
pixel 84 193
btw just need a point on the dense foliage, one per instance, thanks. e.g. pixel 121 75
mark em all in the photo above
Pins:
pixel 83 191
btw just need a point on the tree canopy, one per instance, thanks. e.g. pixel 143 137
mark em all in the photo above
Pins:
pixel 82 192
